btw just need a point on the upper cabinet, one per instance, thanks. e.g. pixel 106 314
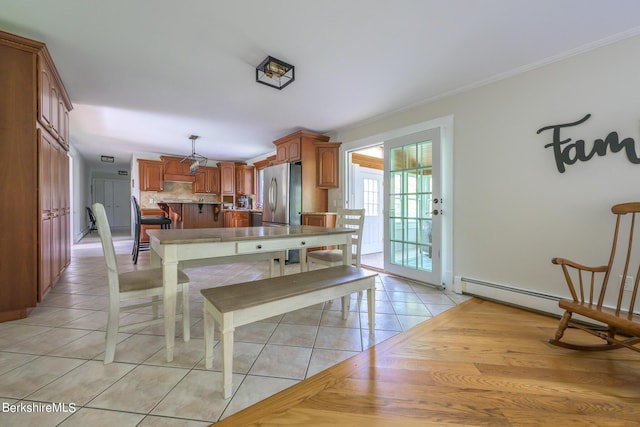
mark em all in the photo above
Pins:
pixel 53 102
pixel 176 170
pixel 327 164
pixel 227 178
pixel 207 181
pixel 289 148
pixel 244 180
pixel 151 175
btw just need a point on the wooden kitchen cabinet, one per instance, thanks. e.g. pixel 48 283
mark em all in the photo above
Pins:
pixel 151 175
pixel 35 248
pixel 327 158
pixel 237 218
pixel 319 219
pixel 244 180
pixel 144 237
pixel 289 148
pixel 227 178
pixel 176 170
pixel 208 181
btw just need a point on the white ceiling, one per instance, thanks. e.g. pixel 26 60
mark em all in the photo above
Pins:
pixel 143 75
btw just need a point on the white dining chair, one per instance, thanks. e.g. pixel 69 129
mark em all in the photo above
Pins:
pixel 345 218
pixel 130 285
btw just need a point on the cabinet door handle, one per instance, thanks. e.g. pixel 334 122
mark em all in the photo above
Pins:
pixel 258 246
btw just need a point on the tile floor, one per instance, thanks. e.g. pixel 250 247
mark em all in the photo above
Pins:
pixel 51 370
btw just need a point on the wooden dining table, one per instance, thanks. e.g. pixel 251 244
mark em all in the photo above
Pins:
pixel 173 248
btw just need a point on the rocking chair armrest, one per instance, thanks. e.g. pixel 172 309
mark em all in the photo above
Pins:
pixel 569 263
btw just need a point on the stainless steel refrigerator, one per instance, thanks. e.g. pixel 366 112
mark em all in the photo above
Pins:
pixel 282 198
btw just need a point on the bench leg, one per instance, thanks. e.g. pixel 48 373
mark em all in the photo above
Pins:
pixel 226 332
pixel 345 306
pixel 208 336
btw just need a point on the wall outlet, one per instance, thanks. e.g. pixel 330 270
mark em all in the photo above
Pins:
pixel 628 283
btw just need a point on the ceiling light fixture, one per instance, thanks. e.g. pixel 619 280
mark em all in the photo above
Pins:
pixel 194 160
pixel 275 73
pixel 107 159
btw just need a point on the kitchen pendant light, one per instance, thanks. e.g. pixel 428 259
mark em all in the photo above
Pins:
pixel 194 161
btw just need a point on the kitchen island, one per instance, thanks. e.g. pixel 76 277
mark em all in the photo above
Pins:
pixel 190 214
pixel 186 215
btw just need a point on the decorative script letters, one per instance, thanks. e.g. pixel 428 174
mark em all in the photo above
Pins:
pixel 567 152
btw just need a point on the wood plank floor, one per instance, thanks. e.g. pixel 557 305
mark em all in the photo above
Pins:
pixel 479 364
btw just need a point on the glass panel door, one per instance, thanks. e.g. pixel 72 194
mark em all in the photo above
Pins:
pixel 413 208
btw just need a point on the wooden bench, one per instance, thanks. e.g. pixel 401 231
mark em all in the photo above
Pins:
pixel 613 312
pixel 236 305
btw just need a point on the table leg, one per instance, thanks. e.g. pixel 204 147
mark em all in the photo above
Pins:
pixel 302 254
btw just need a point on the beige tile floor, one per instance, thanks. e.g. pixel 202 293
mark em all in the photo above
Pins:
pixel 51 370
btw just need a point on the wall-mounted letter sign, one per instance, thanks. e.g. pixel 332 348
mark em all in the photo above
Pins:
pixel 567 152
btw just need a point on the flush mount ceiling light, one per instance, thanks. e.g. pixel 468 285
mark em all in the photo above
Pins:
pixel 275 73
pixel 107 159
pixel 194 160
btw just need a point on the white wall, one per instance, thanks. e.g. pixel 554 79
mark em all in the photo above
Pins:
pixel 513 210
pixel 81 195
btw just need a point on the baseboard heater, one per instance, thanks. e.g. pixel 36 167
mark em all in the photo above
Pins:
pixel 523 298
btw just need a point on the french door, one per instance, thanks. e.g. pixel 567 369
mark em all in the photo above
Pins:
pixel 413 206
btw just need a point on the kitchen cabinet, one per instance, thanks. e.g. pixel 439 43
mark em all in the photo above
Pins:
pixel 289 148
pixel 237 218
pixel 201 215
pixel 327 155
pixel 176 170
pixel 207 181
pixel 151 173
pixel 144 237
pixel 319 219
pixel 244 180
pixel 227 178
pixel 35 246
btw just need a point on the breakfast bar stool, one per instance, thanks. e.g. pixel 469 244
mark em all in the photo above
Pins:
pixel 162 221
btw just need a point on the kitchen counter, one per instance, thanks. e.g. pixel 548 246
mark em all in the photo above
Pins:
pixel 188 214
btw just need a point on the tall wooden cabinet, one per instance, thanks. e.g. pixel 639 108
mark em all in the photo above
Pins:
pixel 34 165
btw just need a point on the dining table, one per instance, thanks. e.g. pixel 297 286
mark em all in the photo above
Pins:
pixel 173 248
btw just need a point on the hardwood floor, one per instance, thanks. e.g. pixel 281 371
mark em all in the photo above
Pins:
pixel 479 364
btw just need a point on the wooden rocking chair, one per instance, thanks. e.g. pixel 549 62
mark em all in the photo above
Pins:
pixel 613 313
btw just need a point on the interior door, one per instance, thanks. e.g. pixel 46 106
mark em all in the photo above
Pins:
pixel 115 196
pixel 413 206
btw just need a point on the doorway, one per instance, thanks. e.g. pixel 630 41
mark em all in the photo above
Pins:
pixel 366 190
pixel 429 237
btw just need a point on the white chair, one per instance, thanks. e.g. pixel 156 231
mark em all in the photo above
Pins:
pixel 346 218
pixel 130 285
